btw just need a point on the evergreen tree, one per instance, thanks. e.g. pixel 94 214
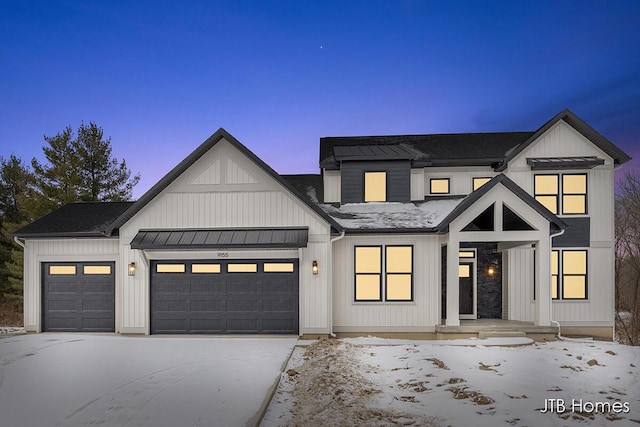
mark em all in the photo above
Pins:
pixel 14 181
pixel 101 176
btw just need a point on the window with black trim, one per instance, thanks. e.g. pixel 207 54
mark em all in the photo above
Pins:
pixel 397 273
pixel 565 193
pixel 375 186
pixel 368 270
pixel 439 186
pixel 569 274
pixel 479 182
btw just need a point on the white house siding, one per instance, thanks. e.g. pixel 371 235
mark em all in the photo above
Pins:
pixel 62 250
pixel 460 178
pixel 518 275
pixel 420 315
pixel 417 184
pixel 332 184
pixel 222 189
pixel 561 140
pixel 315 292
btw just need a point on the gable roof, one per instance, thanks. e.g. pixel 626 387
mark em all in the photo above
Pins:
pixel 461 149
pixel 83 219
pixel 557 223
pixel 578 124
pixel 192 158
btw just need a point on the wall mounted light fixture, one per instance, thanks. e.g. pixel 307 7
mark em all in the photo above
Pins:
pixel 314 267
pixel 491 269
pixel 132 269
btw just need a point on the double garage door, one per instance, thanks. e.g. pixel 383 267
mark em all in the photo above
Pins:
pixel 224 297
pixel 78 297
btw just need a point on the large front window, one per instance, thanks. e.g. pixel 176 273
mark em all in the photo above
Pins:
pixel 566 194
pixel 397 273
pixel 375 186
pixel 569 274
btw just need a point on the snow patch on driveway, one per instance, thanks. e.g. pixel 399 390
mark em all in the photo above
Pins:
pixel 84 379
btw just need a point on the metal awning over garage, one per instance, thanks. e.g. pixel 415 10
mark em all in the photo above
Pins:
pixel 222 238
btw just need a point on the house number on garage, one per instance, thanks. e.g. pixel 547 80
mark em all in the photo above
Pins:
pixel 223 254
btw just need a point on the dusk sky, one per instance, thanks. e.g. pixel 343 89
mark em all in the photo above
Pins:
pixel 161 76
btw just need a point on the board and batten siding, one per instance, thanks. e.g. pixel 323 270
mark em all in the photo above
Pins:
pixel 597 310
pixel 224 189
pixel 332 186
pixel 38 251
pixel 420 315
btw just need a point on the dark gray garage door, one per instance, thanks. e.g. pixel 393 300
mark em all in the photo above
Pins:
pixel 224 297
pixel 78 297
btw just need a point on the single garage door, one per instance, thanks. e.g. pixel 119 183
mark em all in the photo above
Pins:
pixel 224 297
pixel 78 297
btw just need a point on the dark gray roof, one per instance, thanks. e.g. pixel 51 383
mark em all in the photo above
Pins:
pixel 84 219
pixel 480 149
pixel 373 151
pixel 310 185
pixel 466 149
pixel 194 156
pixel 578 124
pixel 221 238
pixel 556 223
pixel 541 163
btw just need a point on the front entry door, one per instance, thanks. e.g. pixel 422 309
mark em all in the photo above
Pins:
pixel 467 309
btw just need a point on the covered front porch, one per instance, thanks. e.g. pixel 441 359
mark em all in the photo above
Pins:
pixel 502 213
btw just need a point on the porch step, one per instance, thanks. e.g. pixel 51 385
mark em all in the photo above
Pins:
pixel 501 334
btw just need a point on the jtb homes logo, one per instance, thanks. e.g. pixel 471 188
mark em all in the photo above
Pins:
pixel 585 406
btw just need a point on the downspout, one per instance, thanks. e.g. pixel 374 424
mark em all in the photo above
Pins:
pixel 335 239
pixel 560 337
pixel 15 239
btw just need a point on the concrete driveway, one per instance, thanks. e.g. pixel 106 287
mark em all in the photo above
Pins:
pixel 85 379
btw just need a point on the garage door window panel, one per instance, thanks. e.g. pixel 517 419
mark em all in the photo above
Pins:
pixel 242 268
pixel 170 268
pixel 205 268
pixel 278 267
pixel 97 269
pixel 62 270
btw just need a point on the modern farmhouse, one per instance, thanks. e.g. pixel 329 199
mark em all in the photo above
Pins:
pixel 411 234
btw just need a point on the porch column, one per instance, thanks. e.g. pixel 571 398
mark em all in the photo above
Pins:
pixel 453 286
pixel 543 282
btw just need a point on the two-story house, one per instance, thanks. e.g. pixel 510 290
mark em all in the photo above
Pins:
pixel 405 235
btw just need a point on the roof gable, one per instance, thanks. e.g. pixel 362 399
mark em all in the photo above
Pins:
pixel 212 175
pixel 471 199
pixel 580 126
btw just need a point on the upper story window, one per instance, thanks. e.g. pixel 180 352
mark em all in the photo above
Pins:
pixel 375 186
pixel 479 182
pixel 439 185
pixel 562 193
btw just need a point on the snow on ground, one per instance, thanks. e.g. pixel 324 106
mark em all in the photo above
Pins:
pixel 7 330
pixel 85 379
pixel 391 214
pixel 376 382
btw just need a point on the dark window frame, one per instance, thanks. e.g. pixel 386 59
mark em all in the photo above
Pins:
pixel 356 274
pixel 585 275
pixel 387 274
pixel 364 185
pixel 473 181
pixel 585 194
pixel 440 179
pixel 556 195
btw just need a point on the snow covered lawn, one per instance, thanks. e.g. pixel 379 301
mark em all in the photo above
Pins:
pixel 84 379
pixel 369 381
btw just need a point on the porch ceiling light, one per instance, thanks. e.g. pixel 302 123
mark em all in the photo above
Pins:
pixel 314 267
pixel 132 269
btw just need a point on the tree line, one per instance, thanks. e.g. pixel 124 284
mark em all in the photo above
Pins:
pixel 78 167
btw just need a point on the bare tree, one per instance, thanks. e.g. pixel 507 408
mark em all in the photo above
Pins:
pixel 627 247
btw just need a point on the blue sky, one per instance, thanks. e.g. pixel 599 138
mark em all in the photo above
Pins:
pixel 161 76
